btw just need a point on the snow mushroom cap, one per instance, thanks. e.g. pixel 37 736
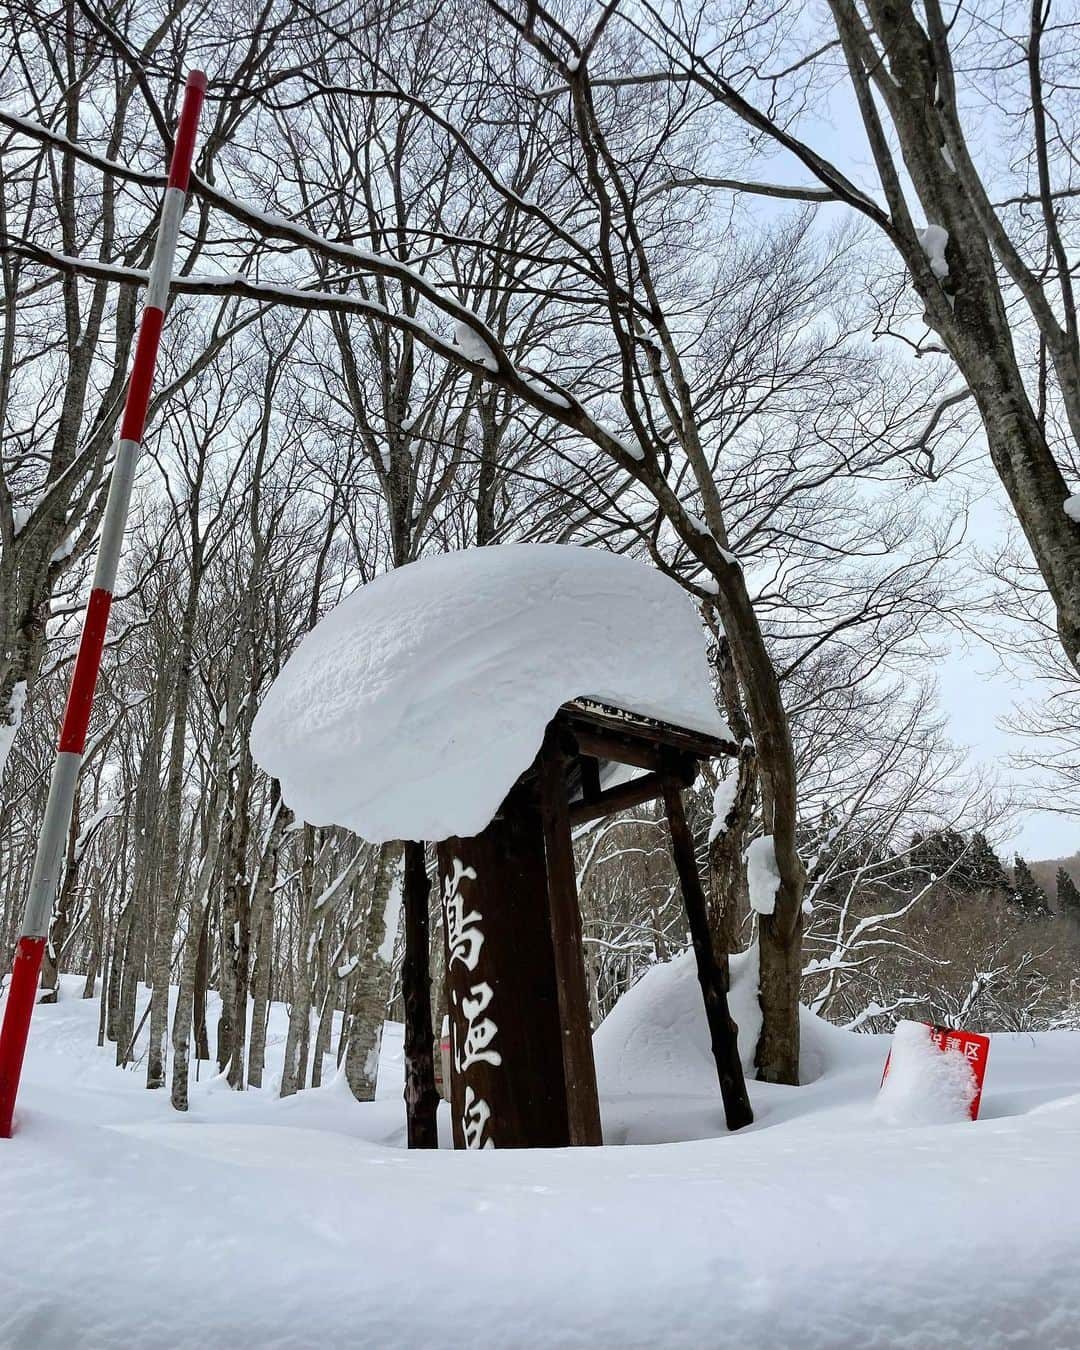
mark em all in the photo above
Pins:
pixel 411 709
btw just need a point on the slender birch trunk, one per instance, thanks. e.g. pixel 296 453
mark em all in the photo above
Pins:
pixel 372 989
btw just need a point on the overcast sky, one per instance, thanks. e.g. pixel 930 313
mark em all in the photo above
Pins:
pixel 976 695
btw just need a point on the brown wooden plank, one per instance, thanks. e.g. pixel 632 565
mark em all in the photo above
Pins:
pixel 617 747
pixel 632 793
pixel 723 1032
pixel 619 798
pixel 421 1097
pixel 579 1068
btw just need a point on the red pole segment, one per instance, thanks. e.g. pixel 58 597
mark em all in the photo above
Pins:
pixel 22 991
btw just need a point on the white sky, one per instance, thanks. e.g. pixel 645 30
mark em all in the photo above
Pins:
pixel 976 698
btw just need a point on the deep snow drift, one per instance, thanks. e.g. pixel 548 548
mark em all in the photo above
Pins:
pixel 263 1224
pixel 409 711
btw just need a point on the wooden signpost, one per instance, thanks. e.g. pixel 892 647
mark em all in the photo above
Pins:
pixel 521 1062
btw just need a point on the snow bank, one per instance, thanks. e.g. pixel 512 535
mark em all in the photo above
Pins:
pixel 412 708
pixel 656 1039
pixel 818 1227
pixel 655 1044
pixel 925 1085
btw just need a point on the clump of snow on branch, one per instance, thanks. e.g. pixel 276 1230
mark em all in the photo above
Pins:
pixel 722 802
pixel 925 1085
pixel 1072 507
pixel 934 240
pixel 412 708
pixel 762 874
pixel 473 345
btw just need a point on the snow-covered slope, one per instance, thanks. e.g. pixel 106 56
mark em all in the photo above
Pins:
pixel 410 710
pixel 262 1224
pixel 654 1064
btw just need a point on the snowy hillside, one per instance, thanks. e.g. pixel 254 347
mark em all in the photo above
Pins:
pixel 257 1222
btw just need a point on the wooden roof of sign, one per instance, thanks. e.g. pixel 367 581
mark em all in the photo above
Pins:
pixel 599 736
pixel 626 732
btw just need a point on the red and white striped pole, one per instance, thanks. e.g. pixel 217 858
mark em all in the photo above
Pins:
pixel 22 991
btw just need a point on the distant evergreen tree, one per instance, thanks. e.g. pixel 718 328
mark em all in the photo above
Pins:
pixel 1026 894
pixel 940 854
pixel 1068 896
pixel 986 870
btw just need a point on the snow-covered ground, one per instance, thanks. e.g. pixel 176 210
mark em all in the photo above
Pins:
pixel 255 1222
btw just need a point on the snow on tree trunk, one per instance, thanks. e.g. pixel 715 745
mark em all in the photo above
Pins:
pixel 292 1072
pixel 262 927
pixel 11 721
pixel 728 899
pixel 372 988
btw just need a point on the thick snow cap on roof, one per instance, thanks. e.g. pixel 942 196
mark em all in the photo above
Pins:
pixel 411 709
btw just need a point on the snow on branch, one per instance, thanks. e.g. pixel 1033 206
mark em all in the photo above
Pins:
pixel 791 192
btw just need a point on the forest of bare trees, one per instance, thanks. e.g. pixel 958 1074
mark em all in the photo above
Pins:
pixel 477 273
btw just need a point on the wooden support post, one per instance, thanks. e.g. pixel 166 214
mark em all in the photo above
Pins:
pixel 421 1098
pixel 583 1105
pixel 722 1030
pixel 590 777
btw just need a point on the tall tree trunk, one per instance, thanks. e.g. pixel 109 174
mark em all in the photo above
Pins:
pixel 61 915
pixel 202 987
pixel 372 988
pixel 294 1069
pixel 326 1022
pixel 185 1004
pixel 263 961
pixel 169 895
pixel 112 993
pixel 421 1098
pixel 728 900
pixel 913 78
pixel 200 904
pixel 236 925
pixel 262 927
pixel 97 942
pixel 131 977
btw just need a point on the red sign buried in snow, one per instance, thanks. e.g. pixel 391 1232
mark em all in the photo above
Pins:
pixel 972 1046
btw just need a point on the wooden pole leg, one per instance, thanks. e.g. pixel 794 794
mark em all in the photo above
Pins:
pixel 421 1098
pixel 579 1068
pixel 722 1030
